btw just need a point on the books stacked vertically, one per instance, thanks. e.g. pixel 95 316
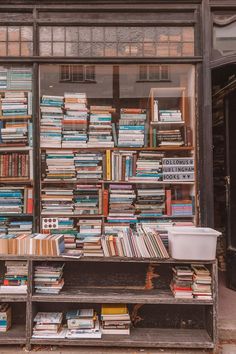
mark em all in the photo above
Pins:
pixel 202 282
pixel 51 121
pixel 5 317
pixel 88 199
pixel 178 169
pixel 148 166
pixel 122 241
pixel 150 202
pixel 83 323
pixel 3 78
pixel 57 201
pixel 170 115
pixel 131 127
pixel 15 279
pixel 20 78
pixel 11 200
pixel 14 103
pixel 121 203
pixel 115 319
pixel 48 278
pixel 74 131
pixel 181 284
pixel 88 165
pixel 100 127
pixel 15 164
pixel 169 137
pixel 123 165
pixel 58 165
pixel 14 133
pixel 48 325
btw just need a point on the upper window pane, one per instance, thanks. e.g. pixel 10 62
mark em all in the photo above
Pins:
pixel 117 41
pixel 225 39
pixel 16 41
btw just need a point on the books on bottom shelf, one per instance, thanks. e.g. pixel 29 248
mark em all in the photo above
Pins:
pixel 115 319
pixel 181 284
pixel 202 282
pixel 48 278
pixel 48 325
pixel 83 323
pixel 5 317
pixel 15 279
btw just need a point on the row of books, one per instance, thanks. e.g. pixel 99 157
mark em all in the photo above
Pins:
pixel 8 226
pixel 171 137
pixel 15 133
pixel 83 323
pixel 191 282
pixel 16 103
pixel 16 200
pixel 14 281
pixel 15 78
pixel 16 165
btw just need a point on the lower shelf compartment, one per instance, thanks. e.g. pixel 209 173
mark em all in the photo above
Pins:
pixel 142 337
pixel 15 335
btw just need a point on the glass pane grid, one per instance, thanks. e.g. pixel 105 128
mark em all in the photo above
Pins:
pixel 16 41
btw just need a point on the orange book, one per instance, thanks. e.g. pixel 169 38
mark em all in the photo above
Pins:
pixel 168 202
pixel 29 208
pixel 105 202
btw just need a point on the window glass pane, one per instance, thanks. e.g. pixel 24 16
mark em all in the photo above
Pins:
pixel 143 72
pixel 26 48
pixel 149 34
pixel 45 34
pixel 3 33
pixel 188 34
pixel 175 34
pixel 13 33
pixel 45 49
pixel 225 39
pixel 58 34
pixel 72 34
pixel 26 33
pixel 72 49
pixel 110 34
pixel 98 49
pixel 162 49
pixel 110 49
pixel 84 49
pixel 84 34
pixel 123 34
pixel 59 48
pixel 188 49
pixel 3 47
pixel 98 34
pixel 149 49
pixel 14 49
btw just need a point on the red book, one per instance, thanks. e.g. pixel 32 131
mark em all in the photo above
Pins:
pixel 168 202
pixel 29 208
pixel 105 202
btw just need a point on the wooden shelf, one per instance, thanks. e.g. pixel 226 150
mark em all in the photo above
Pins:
pixel 15 148
pixel 15 117
pixel 168 148
pixel 167 123
pixel 15 181
pixel 142 337
pixel 16 215
pixel 13 298
pixel 63 181
pixel 15 335
pixel 106 295
pixel 72 216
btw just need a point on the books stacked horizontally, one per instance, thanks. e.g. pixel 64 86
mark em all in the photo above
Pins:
pixel 56 201
pixel 20 78
pixel 14 133
pixel 5 317
pixel 3 78
pixel 3 225
pixel 19 227
pixel 48 325
pixel 131 127
pixel 89 237
pixel 88 165
pixel 150 202
pixel 11 200
pixel 88 199
pixel 170 115
pixel 121 206
pixel 115 319
pixel 100 127
pixel 51 121
pixel 182 207
pixel 169 137
pixel 74 128
pixel 148 167
pixel 58 165
pixel 83 323
pixel 14 103
pixel 124 242
pixel 15 278
pixel 48 278
pixel 181 284
pixel 202 282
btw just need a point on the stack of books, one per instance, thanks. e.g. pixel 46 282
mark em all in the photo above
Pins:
pixel 121 206
pixel 3 225
pixel 19 227
pixel 15 278
pixel 123 165
pixel 11 200
pixel 19 78
pixel 182 207
pixel 148 166
pixel 58 165
pixel 88 165
pixel 48 325
pixel 3 78
pixel 15 164
pixel 83 323
pixel 74 128
pixel 124 242
pixel 88 227
pixel 150 202
pixel 14 133
pixel 57 201
pixel 48 278
pixel 171 137
pixel 5 317
pixel 202 282
pixel 92 247
pixel 88 199
pixel 14 103
pixel 181 284
pixel 100 127
pixel 115 319
pixel 170 115
pixel 131 127
pixel 51 121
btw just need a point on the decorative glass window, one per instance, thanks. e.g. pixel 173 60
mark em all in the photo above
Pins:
pixel 77 73
pixel 116 41
pixel 16 41
pixel 154 73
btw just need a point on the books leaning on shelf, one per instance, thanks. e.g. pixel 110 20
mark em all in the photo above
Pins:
pixel 202 282
pixel 83 323
pixel 115 319
pixel 48 325
pixel 48 278
pixel 181 284
pixel 15 279
pixel 16 200
pixel 5 317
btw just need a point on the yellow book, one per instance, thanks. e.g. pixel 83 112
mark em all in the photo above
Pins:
pixel 108 164
pixel 114 309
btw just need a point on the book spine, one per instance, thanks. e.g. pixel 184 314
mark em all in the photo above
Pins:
pixel 29 208
pixel 168 202
pixel 105 202
pixel 108 164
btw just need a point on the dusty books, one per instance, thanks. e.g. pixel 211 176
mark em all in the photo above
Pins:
pixel 88 165
pixel 48 278
pixel 16 200
pixel 58 165
pixel 5 317
pixel 83 323
pixel 57 201
pixel 181 284
pixel 121 203
pixel 169 137
pixel 202 282
pixel 14 103
pixel 150 202
pixel 148 166
pixel 100 127
pixel 48 325
pixel 88 199
pixel 15 278
pixel 15 165
pixel 115 319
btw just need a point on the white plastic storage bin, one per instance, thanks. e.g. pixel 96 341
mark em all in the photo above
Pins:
pixel 192 243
